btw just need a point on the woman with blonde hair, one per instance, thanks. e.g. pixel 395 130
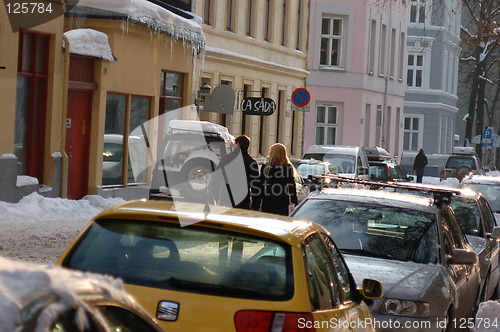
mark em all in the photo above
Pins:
pixel 276 186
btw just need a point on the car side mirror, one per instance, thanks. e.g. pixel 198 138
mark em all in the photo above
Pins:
pixel 495 233
pixel 462 256
pixel 312 187
pixel 372 289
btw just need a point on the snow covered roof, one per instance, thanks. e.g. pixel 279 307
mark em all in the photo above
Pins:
pixel 89 42
pixel 143 12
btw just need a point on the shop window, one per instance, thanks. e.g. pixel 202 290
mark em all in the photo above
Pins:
pixel 31 102
pixel 124 156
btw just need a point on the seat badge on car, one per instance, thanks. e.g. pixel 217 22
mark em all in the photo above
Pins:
pixel 167 310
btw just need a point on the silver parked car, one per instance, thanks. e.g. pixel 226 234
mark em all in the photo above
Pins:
pixel 412 244
pixel 480 227
pixel 489 186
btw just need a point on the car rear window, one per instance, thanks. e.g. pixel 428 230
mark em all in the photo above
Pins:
pixel 378 173
pixel 313 169
pixel 376 230
pixel 342 162
pixel 191 259
pixel 456 161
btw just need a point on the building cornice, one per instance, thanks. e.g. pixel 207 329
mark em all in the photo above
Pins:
pixel 427 105
pixel 233 58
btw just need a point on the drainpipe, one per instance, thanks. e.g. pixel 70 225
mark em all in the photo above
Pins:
pixel 385 125
pixel 64 108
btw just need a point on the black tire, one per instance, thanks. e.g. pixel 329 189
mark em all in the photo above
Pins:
pixel 462 172
pixel 196 179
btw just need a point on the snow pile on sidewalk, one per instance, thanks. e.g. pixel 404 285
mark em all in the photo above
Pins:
pixel 34 208
pixel 488 317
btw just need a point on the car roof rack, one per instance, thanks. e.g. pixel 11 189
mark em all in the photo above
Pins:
pixel 441 195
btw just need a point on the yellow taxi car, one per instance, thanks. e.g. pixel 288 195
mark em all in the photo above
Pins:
pixel 224 270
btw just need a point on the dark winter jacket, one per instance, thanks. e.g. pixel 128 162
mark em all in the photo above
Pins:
pixel 420 160
pixel 276 190
pixel 252 175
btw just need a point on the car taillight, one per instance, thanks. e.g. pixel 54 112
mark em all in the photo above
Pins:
pixel 254 321
pixel 442 174
pixel 389 174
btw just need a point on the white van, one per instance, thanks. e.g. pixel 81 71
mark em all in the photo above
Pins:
pixel 350 161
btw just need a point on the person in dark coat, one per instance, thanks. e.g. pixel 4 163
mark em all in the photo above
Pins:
pixel 419 165
pixel 251 170
pixel 276 186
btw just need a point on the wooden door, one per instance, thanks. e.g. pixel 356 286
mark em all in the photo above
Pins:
pixel 78 141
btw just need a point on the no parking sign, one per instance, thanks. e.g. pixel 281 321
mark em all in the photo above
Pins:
pixel 301 97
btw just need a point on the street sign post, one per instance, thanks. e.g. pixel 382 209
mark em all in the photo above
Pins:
pixel 488 136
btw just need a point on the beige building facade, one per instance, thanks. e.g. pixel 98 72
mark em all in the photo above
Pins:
pixel 258 48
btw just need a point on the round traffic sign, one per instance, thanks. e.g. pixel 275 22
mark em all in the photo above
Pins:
pixel 300 97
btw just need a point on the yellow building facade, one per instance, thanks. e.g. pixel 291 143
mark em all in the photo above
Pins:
pixel 258 48
pixel 64 105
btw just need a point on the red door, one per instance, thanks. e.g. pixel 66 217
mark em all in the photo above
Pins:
pixel 78 141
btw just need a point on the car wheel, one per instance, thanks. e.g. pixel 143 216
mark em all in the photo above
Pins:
pixel 462 172
pixel 196 178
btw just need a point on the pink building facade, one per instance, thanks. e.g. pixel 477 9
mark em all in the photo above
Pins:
pixel 356 61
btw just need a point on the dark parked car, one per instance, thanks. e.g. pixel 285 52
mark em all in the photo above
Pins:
pixel 383 168
pixel 413 244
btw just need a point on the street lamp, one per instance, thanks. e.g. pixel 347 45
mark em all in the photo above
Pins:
pixel 202 93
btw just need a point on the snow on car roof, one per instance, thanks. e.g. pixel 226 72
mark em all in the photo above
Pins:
pixel 484 179
pixel 378 197
pixel 20 282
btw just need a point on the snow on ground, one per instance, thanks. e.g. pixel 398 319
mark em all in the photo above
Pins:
pixel 38 229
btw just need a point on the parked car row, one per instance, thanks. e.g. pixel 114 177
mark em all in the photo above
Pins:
pixel 413 244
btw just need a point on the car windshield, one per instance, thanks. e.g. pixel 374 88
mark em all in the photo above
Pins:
pixel 490 191
pixel 468 214
pixel 374 230
pixel 311 169
pixel 342 162
pixel 190 259
pixel 456 161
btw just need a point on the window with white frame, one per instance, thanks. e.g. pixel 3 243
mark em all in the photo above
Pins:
pixel 382 58
pixel 418 11
pixel 413 132
pixel 415 71
pixel 332 39
pixel 326 124
pixel 373 46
